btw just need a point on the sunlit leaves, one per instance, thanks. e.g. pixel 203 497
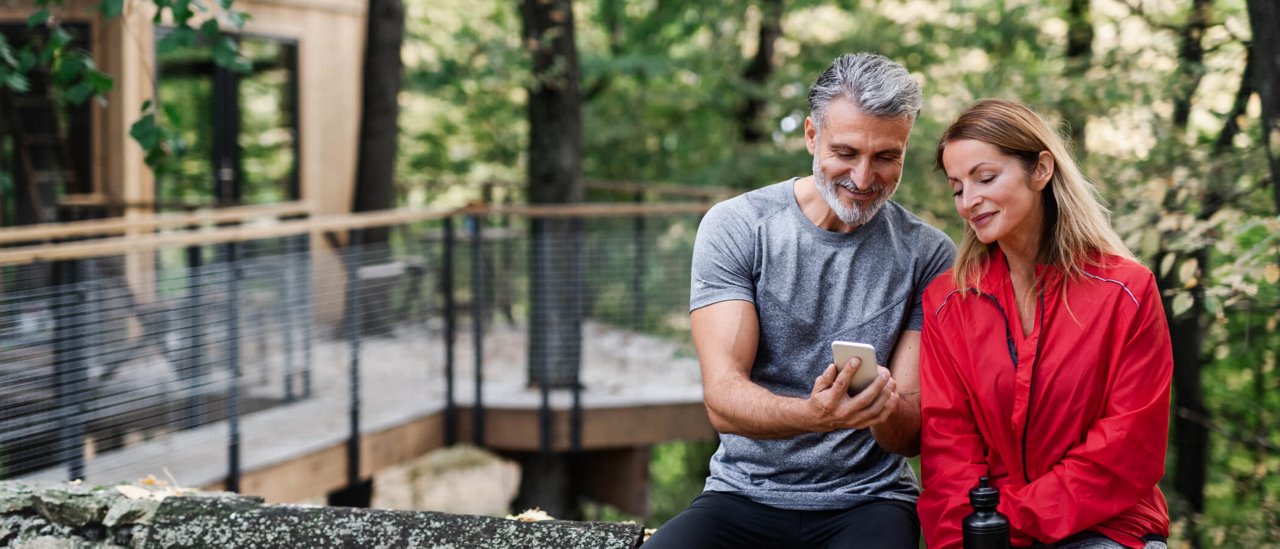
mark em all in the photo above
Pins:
pixel 226 53
pixel 159 141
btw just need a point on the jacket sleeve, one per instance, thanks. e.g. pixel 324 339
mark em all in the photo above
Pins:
pixel 1122 455
pixel 952 452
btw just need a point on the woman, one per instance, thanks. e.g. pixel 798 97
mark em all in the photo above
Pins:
pixel 1045 360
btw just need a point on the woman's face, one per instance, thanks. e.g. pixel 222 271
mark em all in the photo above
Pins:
pixel 994 193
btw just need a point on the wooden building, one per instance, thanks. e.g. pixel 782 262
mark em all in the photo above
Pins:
pixel 286 130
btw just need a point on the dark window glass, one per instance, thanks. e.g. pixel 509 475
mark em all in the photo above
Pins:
pixel 240 129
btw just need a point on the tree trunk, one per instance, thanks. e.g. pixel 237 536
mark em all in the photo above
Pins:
pixel 1190 433
pixel 1191 438
pixel 756 75
pixel 1079 59
pixel 1264 17
pixel 555 177
pixel 376 162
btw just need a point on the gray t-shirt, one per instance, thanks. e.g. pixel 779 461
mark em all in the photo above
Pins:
pixel 811 286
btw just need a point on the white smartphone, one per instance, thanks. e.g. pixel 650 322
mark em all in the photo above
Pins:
pixel 842 351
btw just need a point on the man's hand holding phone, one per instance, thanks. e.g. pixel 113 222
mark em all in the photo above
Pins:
pixel 865 373
pixel 870 396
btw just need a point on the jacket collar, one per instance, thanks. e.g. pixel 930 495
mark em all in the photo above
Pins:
pixel 995 272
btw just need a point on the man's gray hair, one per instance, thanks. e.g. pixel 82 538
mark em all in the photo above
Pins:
pixel 876 84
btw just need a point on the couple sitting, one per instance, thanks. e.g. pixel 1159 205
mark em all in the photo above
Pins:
pixel 1041 359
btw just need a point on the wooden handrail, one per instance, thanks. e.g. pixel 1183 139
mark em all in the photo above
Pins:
pixel 591 210
pixel 322 224
pixel 119 225
pixel 662 188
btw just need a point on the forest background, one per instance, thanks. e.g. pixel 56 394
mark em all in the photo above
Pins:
pixel 1161 99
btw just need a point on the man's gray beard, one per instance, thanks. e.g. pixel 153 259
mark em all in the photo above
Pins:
pixel 854 216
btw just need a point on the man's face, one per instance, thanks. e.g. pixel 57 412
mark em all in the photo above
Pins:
pixel 857 159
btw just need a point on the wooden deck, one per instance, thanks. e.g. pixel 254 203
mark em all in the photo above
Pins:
pixel 638 390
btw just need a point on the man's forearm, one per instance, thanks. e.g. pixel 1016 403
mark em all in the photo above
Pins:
pixel 900 434
pixel 750 410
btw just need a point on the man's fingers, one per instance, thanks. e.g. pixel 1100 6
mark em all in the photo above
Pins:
pixel 825 379
pixel 876 403
pixel 842 380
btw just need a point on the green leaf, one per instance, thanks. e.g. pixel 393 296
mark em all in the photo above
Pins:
pixel 173 114
pixel 227 55
pixel 144 132
pixel 26 59
pixel 181 12
pixel 181 37
pixel 78 93
pixel 210 29
pixel 111 8
pixel 1181 303
pixel 17 82
pixel 59 38
pixel 69 69
pixel 38 18
pixel 6 53
pixel 154 158
pixel 102 82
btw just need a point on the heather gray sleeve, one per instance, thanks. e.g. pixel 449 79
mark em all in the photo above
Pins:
pixel 722 258
pixel 939 257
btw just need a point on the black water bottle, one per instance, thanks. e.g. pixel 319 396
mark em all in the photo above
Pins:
pixel 985 528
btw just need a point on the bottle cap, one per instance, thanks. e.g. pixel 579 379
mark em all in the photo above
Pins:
pixel 984 495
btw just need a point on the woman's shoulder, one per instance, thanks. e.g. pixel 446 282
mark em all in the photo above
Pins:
pixel 941 285
pixel 1124 272
pixel 1119 268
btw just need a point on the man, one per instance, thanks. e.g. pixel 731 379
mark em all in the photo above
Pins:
pixel 778 274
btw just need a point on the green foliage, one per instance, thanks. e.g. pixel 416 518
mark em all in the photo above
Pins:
pixel 463 123
pixel 75 78
pixel 156 139
pixel 677 472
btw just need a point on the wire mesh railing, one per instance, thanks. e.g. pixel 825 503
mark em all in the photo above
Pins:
pixel 204 354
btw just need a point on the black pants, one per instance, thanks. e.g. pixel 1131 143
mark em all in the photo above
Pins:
pixel 717 519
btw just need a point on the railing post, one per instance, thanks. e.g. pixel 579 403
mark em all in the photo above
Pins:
pixel 195 338
pixel 70 375
pixel 288 301
pixel 446 287
pixel 577 290
pixel 307 296
pixel 537 347
pixel 233 350
pixel 355 323
pixel 477 326
pixel 637 272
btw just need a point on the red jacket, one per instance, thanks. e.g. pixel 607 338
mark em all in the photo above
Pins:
pixel 1070 422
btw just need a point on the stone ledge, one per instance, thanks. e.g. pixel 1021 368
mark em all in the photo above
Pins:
pixel 82 516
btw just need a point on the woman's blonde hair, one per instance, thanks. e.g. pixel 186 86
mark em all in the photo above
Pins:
pixel 1077 229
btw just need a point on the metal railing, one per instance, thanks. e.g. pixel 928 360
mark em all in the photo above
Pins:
pixel 235 332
